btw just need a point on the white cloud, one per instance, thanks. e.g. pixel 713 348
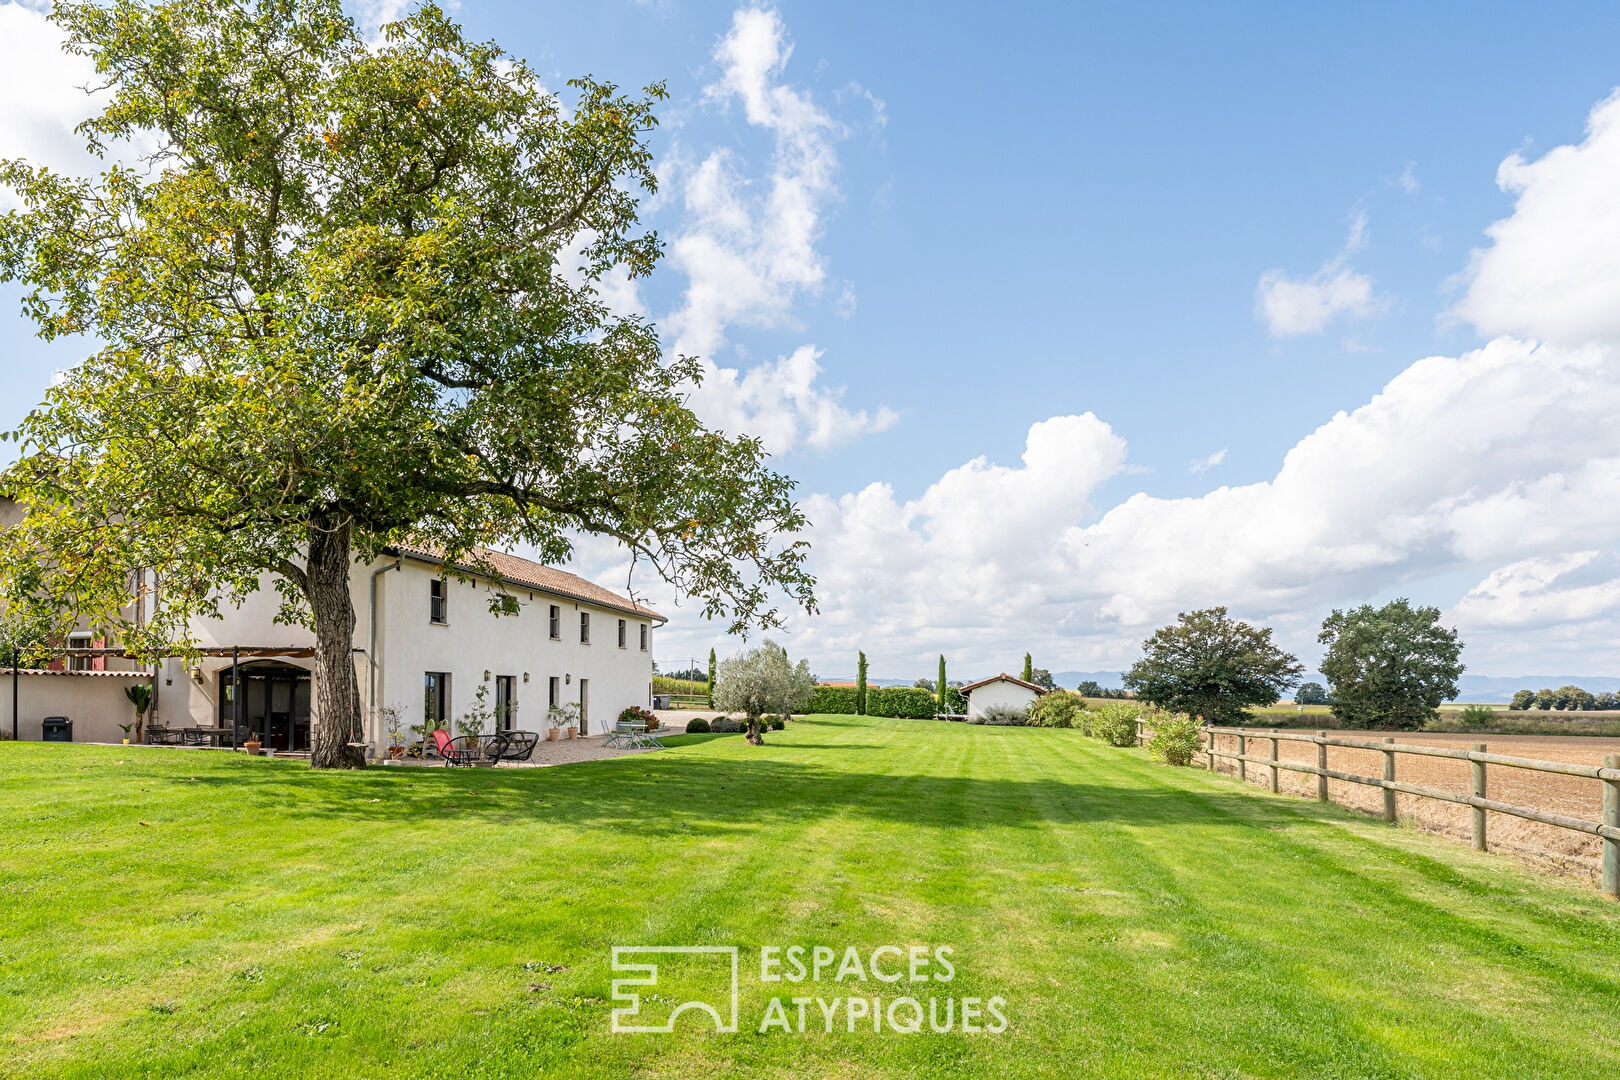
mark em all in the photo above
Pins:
pixel 1552 271
pixel 41 96
pixel 1290 306
pixel 1200 466
pixel 748 247
pixel 1408 180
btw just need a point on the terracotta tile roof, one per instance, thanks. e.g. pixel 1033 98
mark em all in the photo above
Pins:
pixel 145 675
pixel 528 574
pixel 1004 677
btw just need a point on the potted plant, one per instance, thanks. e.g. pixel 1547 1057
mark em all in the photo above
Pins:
pixel 396 733
pixel 476 719
pixel 126 728
pixel 140 696
pixel 251 744
pixel 560 717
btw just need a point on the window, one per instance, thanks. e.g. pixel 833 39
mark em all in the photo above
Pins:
pixel 643 637
pixel 621 633
pixel 436 699
pixel 554 694
pixel 556 623
pixel 585 628
pixel 505 702
pixel 438 603
pixel 79 641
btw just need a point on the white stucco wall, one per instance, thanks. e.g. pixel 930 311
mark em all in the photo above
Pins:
pixel 1007 694
pixel 95 703
pixel 409 645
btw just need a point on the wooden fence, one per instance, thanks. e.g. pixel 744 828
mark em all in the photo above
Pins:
pixel 1478 758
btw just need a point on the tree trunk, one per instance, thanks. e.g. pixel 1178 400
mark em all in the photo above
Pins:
pixel 335 718
pixel 755 735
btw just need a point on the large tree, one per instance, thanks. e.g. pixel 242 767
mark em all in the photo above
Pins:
pixel 352 298
pixel 1389 667
pixel 1208 665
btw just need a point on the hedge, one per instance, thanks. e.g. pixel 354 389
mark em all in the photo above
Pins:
pixel 910 702
pixel 832 699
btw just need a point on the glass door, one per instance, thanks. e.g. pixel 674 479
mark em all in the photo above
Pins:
pixel 505 702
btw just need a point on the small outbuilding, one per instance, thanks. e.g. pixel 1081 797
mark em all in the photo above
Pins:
pixel 1002 690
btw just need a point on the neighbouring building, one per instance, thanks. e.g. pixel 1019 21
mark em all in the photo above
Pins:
pixel 1002 690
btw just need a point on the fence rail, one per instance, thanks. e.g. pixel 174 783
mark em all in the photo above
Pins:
pixel 1479 758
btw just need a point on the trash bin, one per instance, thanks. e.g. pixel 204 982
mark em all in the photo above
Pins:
pixel 660 701
pixel 57 729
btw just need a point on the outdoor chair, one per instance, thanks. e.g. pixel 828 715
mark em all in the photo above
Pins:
pixel 468 749
pixel 519 745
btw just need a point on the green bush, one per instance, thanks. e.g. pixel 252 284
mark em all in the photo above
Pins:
pixel 1002 716
pixel 1175 738
pixel 1058 709
pixel 1115 723
pixel 775 723
pixel 838 700
pixel 725 725
pixel 906 702
pixel 1478 716
pixel 699 726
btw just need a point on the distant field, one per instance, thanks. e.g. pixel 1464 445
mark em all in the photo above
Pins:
pixel 1571 795
pixel 663 684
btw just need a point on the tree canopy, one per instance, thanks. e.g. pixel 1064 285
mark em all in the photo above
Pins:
pixel 1311 693
pixel 1209 665
pixel 763 680
pixel 351 299
pixel 1391 666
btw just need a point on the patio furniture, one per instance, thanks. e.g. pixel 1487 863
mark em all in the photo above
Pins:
pixel 469 749
pixel 159 735
pixel 632 735
pixel 519 745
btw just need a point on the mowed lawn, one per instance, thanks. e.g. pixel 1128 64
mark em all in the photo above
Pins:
pixel 175 914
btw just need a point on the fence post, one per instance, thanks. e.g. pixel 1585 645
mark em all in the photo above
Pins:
pixel 1389 774
pixel 1209 754
pixel 1478 768
pixel 1273 765
pixel 1611 818
pixel 1243 748
pixel 1321 763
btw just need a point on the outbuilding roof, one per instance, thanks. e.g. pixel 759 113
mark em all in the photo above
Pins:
pixel 1003 677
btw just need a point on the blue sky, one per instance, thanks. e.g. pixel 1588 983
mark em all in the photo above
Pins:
pixel 1003 216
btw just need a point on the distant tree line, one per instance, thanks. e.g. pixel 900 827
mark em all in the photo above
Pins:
pixel 1565 699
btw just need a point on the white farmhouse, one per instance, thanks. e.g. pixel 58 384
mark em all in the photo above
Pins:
pixel 425 642
pixel 1002 690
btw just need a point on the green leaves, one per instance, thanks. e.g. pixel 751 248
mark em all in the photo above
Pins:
pixel 340 294
pixel 1212 666
pixel 1390 666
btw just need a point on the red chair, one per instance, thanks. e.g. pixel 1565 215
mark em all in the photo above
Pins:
pixel 469 749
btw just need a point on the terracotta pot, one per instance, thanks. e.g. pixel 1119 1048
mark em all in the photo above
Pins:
pixel 252 746
pixel 396 752
pixel 573 732
pixel 551 736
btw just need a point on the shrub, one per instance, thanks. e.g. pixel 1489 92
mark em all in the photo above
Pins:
pixel 1477 716
pixel 1057 709
pixel 1115 723
pixel 1175 738
pixel 636 712
pixel 773 723
pixel 906 702
pixel 699 726
pixel 1002 716
pixel 837 700
pixel 725 725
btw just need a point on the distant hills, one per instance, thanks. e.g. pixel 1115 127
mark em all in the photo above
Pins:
pixel 1481 688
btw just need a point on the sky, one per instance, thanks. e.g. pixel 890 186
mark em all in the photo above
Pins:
pixel 1070 317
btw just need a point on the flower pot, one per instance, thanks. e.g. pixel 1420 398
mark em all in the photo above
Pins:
pixel 573 732
pixel 126 742
pixel 397 753
pixel 551 736
pixel 252 746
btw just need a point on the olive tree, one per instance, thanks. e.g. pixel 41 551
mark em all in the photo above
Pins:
pixel 763 680
pixel 353 300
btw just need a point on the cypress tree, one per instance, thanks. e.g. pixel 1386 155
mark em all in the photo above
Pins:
pixel 1029 669
pixel 860 686
pixel 711 678
pixel 942 708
